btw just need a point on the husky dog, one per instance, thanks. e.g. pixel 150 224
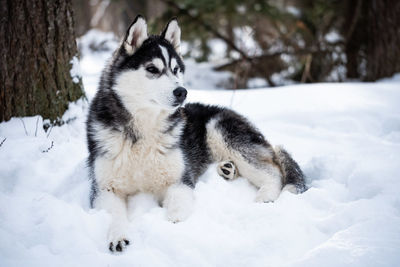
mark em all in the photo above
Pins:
pixel 141 138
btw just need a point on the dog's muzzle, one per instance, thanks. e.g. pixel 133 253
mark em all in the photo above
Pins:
pixel 180 94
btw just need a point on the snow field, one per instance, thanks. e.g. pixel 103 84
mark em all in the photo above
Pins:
pixel 346 138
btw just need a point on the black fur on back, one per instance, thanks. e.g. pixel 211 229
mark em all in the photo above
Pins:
pixel 193 140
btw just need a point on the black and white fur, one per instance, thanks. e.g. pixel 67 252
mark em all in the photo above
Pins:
pixel 141 138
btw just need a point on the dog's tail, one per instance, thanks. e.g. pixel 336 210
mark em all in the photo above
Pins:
pixel 293 177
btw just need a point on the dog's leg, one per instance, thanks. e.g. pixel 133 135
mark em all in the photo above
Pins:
pixel 178 201
pixel 116 206
pixel 270 189
pixel 267 178
pixel 232 137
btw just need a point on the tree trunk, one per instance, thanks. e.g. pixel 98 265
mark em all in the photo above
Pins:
pixel 383 47
pixel 37 45
pixel 354 29
pixel 372 38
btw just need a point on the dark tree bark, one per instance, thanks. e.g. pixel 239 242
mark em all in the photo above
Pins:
pixel 355 36
pixel 37 45
pixel 372 38
pixel 383 47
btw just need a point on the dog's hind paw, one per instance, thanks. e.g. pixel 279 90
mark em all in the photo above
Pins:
pixel 227 170
pixel 290 188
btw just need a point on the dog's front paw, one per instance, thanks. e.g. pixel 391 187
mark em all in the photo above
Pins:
pixel 179 203
pixel 227 170
pixel 267 194
pixel 178 215
pixel 117 239
pixel 118 245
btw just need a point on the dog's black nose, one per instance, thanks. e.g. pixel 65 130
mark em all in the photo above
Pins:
pixel 180 94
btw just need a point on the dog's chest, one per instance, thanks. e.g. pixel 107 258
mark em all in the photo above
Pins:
pixel 149 164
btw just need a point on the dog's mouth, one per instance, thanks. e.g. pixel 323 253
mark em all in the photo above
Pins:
pixel 177 103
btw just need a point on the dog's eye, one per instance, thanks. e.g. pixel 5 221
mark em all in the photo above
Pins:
pixel 175 70
pixel 152 69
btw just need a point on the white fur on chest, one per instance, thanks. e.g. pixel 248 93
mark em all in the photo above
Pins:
pixel 150 164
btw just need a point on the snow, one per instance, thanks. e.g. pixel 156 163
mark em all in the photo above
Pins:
pixel 245 40
pixel 75 70
pixel 202 76
pixel 294 11
pixel 346 137
pixel 333 36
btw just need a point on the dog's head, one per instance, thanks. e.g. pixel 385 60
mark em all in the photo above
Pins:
pixel 149 69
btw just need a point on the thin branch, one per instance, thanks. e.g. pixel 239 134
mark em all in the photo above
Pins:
pixel 23 123
pixel 100 11
pixel 2 142
pixel 37 121
pixel 275 54
pixel 49 131
pixel 306 72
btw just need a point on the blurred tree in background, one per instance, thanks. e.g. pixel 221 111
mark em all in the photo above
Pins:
pixel 278 40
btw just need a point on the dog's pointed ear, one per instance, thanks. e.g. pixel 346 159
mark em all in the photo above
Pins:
pixel 136 35
pixel 172 33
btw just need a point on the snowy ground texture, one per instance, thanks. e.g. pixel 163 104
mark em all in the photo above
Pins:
pixel 346 137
